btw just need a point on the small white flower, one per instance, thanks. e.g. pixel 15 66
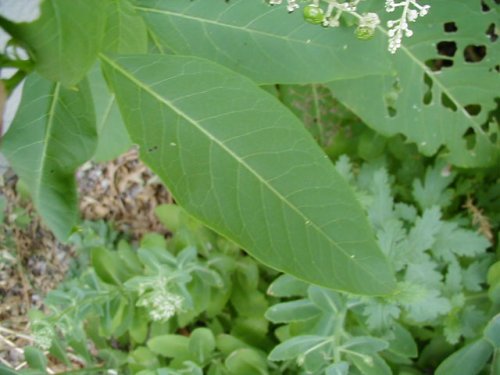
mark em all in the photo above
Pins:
pixel 292 5
pixel 369 20
pixel 43 335
pixel 412 15
pixel 162 304
pixel 411 10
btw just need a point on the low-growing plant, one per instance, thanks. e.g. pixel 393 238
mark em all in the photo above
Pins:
pixel 195 304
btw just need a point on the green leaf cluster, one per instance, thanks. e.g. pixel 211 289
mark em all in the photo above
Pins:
pixel 442 270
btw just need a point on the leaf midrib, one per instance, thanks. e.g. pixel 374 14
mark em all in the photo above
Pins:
pixel 312 224
pixel 46 141
pixel 437 82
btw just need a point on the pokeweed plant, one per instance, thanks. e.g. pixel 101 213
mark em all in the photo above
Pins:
pixel 185 76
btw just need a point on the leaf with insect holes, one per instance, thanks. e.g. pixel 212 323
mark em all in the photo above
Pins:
pixel 445 92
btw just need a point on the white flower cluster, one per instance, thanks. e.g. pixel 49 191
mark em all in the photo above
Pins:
pixel 399 28
pixel 160 302
pixel 367 25
pixel 43 334
pixel 368 22
pixel 292 4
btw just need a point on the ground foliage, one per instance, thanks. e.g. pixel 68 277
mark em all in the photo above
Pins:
pixel 194 303
pixel 388 254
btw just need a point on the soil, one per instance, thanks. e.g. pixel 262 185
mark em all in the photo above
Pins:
pixel 123 192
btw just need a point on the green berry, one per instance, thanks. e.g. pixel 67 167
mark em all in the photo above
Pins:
pixel 364 32
pixel 313 14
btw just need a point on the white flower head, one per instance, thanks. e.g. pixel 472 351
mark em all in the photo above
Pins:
pixel 43 334
pixel 398 28
pixel 161 304
pixel 292 5
pixel 367 25
pixel 369 20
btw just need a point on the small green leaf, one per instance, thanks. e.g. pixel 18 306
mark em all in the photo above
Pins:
pixel 292 311
pixel 108 266
pixel 139 326
pixel 469 360
pixel 171 346
pixel 325 299
pixel 58 350
pixel 53 133
pixel 403 342
pixel 35 358
pixel 169 216
pixel 142 358
pixel 287 286
pixel 246 361
pixel 494 274
pixel 126 31
pixel 297 346
pixel 228 344
pixel 492 332
pixel 432 191
pixel 201 344
pixel 370 364
pixel 113 138
pixel 340 368
pixel 365 344
pixel 65 39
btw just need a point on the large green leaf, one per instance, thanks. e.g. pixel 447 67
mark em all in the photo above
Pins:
pixel 125 30
pixel 469 360
pixel 113 139
pixel 431 103
pixel 65 39
pixel 236 159
pixel 265 43
pixel 53 134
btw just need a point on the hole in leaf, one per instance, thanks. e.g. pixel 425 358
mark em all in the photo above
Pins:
pixel 470 139
pixel 474 54
pixel 447 102
pixel 484 7
pixel 447 48
pixel 450 27
pixel 494 138
pixel 437 64
pixel 428 93
pixel 392 111
pixel 473 109
pixel 491 32
pixel 391 98
pixel 152 149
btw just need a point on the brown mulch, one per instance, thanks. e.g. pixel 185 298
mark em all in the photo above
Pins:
pixel 123 192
